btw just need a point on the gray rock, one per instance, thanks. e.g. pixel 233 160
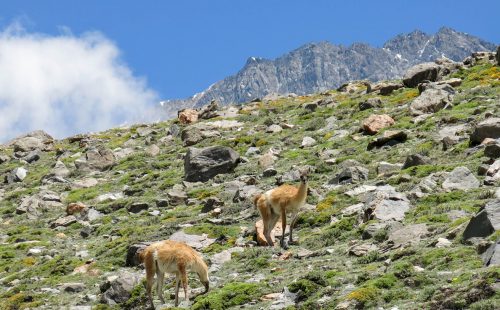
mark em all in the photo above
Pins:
pixel 307 142
pixel 252 151
pixel 415 75
pixel 492 150
pixel 354 174
pixel 362 249
pixel 489 128
pixel 385 204
pixel 460 178
pixel 36 140
pixel 491 257
pixel 196 241
pixel 204 164
pixel 117 289
pixel 497 55
pixel 388 88
pixel 211 203
pixel 4 158
pixel 410 234
pixel 246 193
pixel 73 287
pixel 176 197
pixel 370 103
pixel 209 111
pixel 137 207
pixel 385 168
pixel 99 158
pixel 274 129
pixel 485 222
pixel 60 170
pixel 152 150
pixel 416 160
pixel 388 138
pixel 18 174
pixel 269 172
pixel 92 215
pixel 433 99
pixel 32 156
pixel 372 229
pixel 32 206
pixel 63 221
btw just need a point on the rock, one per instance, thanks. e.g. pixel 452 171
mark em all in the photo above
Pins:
pixel 4 158
pixel 386 88
pixel 92 215
pixel 386 169
pixel 99 158
pixel 362 249
pixel 31 206
pixel 187 116
pixel 73 287
pixel 137 207
pixel 17 175
pixel 443 243
pixel 269 172
pixel 36 251
pixel 85 183
pixel 133 251
pixel 311 106
pixel 152 150
pixel 416 160
pixel 36 140
pixel 60 170
pixel 211 203
pixel 370 103
pixel 209 111
pixel 389 138
pixel 492 173
pixel 497 55
pixel 76 207
pixel 252 151
pixel 32 156
pixel 63 221
pixel 204 164
pixel 492 150
pixel 491 257
pixel 410 234
pixel 352 210
pixel 372 229
pixel 485 222
pixel 434 98
pixel 374 123
pixel 176 197
pixel 489 128
pixel 385 204
pixel 460 178
pixel 307 142
pixel 223 257
pixel 196 241
pixel 267 160
pixel 117 289
pixel 109 197
pixel 274 129
pixel 415 75
pixel 246 193
pixel 354 174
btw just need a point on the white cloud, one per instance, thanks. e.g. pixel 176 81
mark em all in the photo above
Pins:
pixel 66 84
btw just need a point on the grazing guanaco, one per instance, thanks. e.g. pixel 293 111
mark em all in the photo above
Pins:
pixel 280 201
pixel 172 257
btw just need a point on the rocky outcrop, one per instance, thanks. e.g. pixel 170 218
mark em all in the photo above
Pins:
pixel 434 98
pixel 36 140
pixel 428 71
pixel 99 158
pixel 204 164
pixel 489 128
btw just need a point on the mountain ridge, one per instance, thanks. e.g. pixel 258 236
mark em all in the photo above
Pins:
pixel 319 66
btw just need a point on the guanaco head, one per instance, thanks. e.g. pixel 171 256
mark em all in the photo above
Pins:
pixel 202 270
pixel 304 173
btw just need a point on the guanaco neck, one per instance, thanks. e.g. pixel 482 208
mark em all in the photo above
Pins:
pixel 302 192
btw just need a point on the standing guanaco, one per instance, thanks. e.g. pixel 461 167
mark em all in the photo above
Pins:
pixel 172 257
pixel 280 201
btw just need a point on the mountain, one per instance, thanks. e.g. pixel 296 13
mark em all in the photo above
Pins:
pixel 317 67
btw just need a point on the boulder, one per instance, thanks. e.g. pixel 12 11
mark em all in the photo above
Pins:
pixel 16 175
pixel 73 287
pixel 386 88
pixel 4 158
pixel 416 160
pixel 353 174
pixel 491 257
pixel 193 134
pixel 374 123
pixel 460 178
pixel 370 103
pixel 385 204
pixel 489 128
pixel 415 75
pixel 434 98
pixel 32 206
pixel 388 138
pixel 32 156
pixel 204 164
pixel 137 207
pixel 176 196
pixel 187 116
pixel 492 173
pixel 117 289
pixel 385 168
pixel 99 158
pixel 209 111
pixel 63 221
pixel 485 222
pixel 362 249
pixel 307 142
pixel 36 140
pixel 152 150
pixel 497 55
pixel 267 160
pixel 274 128
pixel 492 150
pixel 409 234
pixel 196 241
pixel 60 170
pixel 269 172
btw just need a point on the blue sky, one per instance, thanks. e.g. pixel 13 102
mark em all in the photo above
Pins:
pixel 182 47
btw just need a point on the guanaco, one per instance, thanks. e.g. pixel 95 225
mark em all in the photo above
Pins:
pixel 280 201
pixel 172 257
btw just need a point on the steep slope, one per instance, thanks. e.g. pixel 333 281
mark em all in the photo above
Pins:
pixel 320 66
pixel 390 219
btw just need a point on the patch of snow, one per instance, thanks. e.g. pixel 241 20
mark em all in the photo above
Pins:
pixel 421 52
